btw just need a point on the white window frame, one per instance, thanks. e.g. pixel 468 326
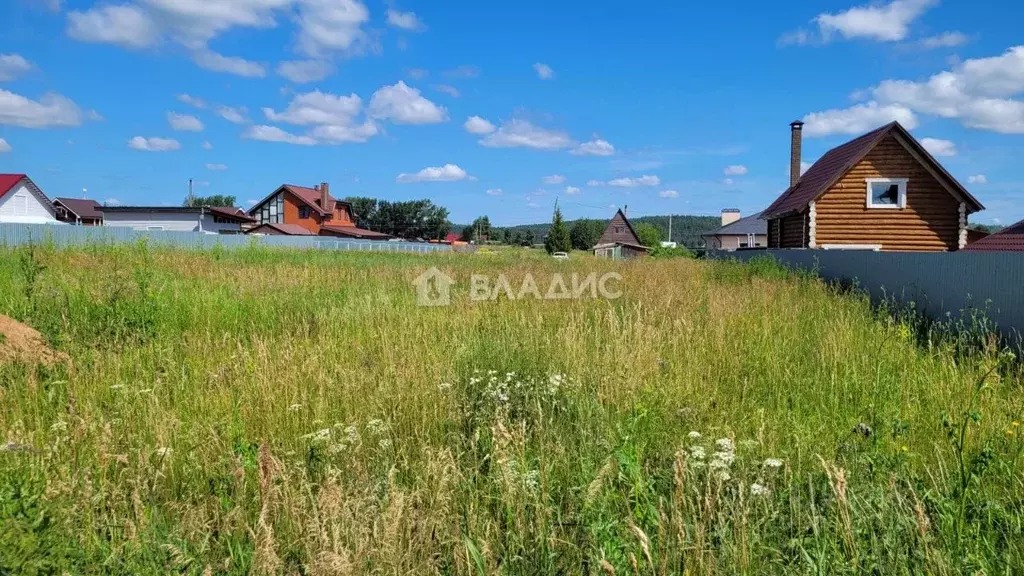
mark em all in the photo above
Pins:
pixel 22 209
pixel 901 201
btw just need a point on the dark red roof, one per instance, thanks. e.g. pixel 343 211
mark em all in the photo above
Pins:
pixel 1009 239
pixel 81 207
pixel 309 196
pixel 286 229
pixel 8 181
pixel 839 160
pixel 231 212
pixel 353 232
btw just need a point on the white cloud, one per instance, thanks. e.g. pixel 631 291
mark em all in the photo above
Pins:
pixel 154 144
pixel 939 147
pixel 184 122
pixel 217 167
pixel 477 125
pixel 403 104
pixel 594 183
pixel 857 119
pixel 449 90
pixel 341 133
pixel 668 194
pixel 596 147
pixel 192 101
pixel 274 134
pixel 4 146
pixel 804 166
pixel 207 145
pixel 446 173
pixel 544 72
pixel 13 66
pixel 884 22
pixel 944 40
pixel 124 25
pixel 728 181
pixel 305 71
pixel 52 5
pixel 235 115
pixel 736 170
pixel 318 108
pixel 329 26
pixel 111 202
pixel 979 92
pixel 494 192
pixel 644 180
pixel 238 66
pixel 572 190
pixel 404 20
pixel 51 110
pixel 977 179
pixel 521 133
pixel 554 179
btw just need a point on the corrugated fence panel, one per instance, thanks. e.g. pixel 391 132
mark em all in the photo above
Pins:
pixel 936 282
pixel 19 234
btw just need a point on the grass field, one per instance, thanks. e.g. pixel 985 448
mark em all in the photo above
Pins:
pixel 296 413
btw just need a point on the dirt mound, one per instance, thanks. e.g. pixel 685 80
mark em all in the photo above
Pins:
pixel 21 343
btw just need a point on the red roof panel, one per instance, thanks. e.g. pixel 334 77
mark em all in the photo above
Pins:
pixel 1009 239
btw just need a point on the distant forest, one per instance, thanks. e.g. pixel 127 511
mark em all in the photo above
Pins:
pixel 686 230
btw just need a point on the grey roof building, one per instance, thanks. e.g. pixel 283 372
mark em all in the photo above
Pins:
pixel 737 232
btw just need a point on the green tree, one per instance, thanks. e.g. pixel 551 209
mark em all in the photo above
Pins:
pixel 467 234
pixel 585 233
pixel 558 236
pixel 482 228
pixel 649 235
pixel 217 200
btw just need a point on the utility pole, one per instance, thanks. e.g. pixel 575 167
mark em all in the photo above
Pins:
pixel 669 227
pixel 191 198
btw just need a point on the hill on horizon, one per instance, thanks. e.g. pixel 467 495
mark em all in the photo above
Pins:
pixel 686 229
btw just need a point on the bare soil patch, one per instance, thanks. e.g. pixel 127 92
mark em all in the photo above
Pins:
pixel 21 343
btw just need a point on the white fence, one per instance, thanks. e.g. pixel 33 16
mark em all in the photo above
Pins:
pixel 936 282
pixel 20 234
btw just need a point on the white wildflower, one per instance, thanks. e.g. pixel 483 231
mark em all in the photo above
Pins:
pixel 352 434
pixel 376 426
pixel 693 435
pixel 697 452
pixel 758 490
pixel 725 445
pixel 117 386
pixel 723 476
pixel 145 391
pixel 59 426
pixel 532 479
pixel 773 463
pixel 722 459
pixel 384 443
pixel 444 386
pixel 336 448
pixel 295 407
pixel 318 436
pixel 163 452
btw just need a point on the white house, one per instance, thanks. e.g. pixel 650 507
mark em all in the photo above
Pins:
pixel 176 218
pixel 22 202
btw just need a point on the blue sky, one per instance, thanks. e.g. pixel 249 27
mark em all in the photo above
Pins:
pixel 497 109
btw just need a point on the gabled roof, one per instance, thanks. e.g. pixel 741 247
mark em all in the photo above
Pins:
pixel 353 232
pixel 308 196
pixel 820 177
pixel 1009 239
pixel 88 209
pixel 750 225
pixel 9 181
pixel 231 212
pixel 619 212
pixel 286 229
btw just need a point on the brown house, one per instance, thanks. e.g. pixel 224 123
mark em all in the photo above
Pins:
pixel 880 191
pixel 1009 239
pixel 291 208
pixel 619 240
pixel 78 211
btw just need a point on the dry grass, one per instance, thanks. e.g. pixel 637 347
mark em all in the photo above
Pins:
pixel 287 412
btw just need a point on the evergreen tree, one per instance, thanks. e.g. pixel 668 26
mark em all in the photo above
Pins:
pixel 558 235
pixel 585 233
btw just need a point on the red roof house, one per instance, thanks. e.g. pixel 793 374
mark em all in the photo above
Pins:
pixel 311 209
pixel 1009 239
pixel 22 202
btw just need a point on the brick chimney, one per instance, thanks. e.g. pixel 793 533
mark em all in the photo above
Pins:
pixel 795 143
pixel 325 197
pixel 730 215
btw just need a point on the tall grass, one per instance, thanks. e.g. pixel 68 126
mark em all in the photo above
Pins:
pixel 261 411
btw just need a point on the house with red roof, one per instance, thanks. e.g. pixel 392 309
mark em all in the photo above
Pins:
pixel 1009 239
pixel 22 202
pixel 78 211
pixel 879 191
pixel 297 210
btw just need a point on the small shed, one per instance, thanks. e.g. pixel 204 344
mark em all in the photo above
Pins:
pixel 620 250
pixel 619 240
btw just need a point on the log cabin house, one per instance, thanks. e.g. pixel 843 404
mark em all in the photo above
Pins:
pixel 619 240
pixel 880 191
pixel 311 209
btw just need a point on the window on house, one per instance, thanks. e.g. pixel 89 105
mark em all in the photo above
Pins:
pixel 618 229
pixel 303 211
pixel 887 192
pixel 20 205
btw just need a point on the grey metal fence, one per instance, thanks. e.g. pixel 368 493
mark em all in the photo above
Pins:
pixel 936 282
pixel 19 234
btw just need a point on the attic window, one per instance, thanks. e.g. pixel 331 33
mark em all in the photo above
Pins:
pixel 888 193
